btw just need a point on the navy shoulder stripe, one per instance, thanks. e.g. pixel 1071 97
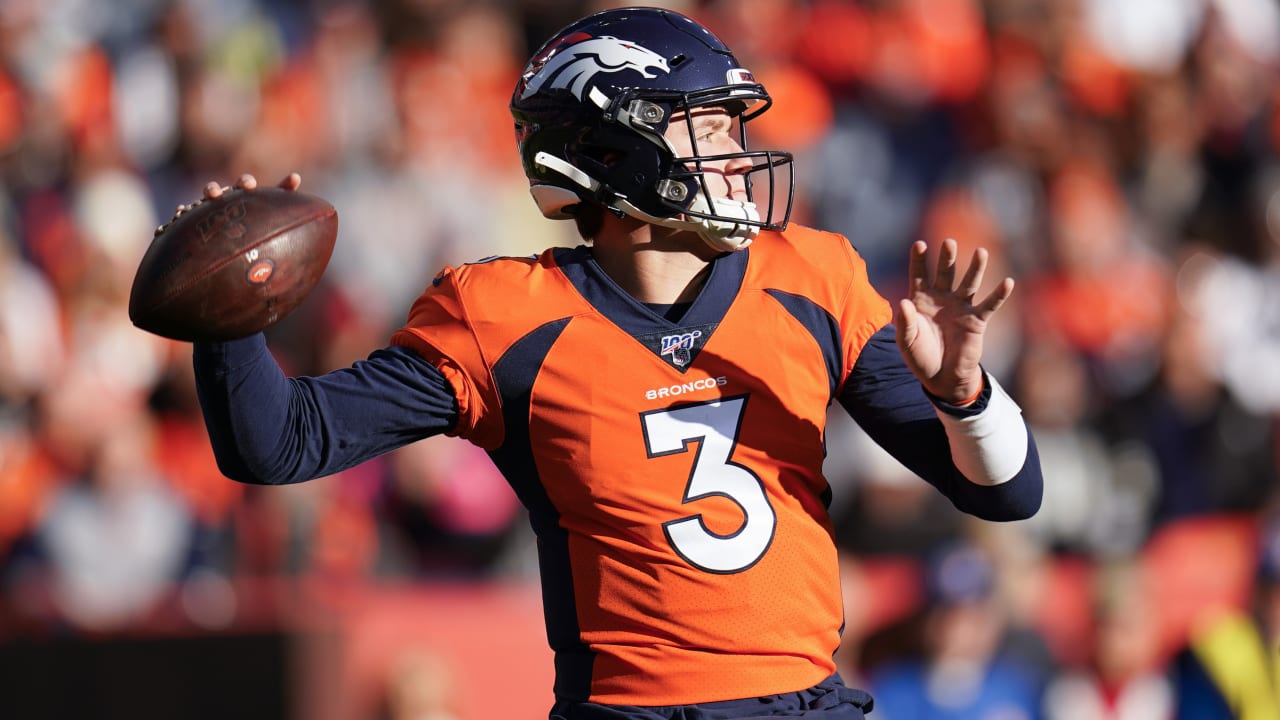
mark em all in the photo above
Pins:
pixel 821 325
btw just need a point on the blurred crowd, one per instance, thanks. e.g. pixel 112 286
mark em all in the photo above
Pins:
pixel 1121 160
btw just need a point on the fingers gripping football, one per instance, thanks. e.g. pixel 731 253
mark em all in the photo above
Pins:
pixel 214 190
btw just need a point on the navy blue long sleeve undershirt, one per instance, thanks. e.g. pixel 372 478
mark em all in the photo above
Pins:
pixel 269 429
pixel 888 402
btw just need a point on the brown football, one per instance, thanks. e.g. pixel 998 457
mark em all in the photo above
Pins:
pixel 233 266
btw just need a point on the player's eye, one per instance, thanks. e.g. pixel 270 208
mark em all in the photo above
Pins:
pixel 707 132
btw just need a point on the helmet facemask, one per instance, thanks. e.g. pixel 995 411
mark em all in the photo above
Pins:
pixel 681 197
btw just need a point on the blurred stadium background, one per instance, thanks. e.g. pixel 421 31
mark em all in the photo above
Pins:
pixel 1118 158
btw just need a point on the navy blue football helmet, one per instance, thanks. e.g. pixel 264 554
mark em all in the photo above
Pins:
pixel 593 103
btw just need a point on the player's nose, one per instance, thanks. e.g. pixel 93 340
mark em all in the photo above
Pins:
pixel 737 165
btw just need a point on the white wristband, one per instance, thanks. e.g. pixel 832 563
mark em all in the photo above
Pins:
pixel 990 447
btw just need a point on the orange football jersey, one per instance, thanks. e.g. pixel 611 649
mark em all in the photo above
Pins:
pixel 672 470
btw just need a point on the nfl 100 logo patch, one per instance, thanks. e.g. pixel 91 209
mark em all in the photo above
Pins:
pixel 678 347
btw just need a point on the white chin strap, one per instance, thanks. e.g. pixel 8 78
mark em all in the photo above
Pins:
pixel 722 234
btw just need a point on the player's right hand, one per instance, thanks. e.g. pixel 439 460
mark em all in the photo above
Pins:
pixel 248 182
pixel 213 190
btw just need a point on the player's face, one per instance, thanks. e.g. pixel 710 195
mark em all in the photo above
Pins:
pixel 714 132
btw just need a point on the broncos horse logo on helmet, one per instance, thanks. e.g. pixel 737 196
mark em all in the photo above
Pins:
pixel 591 110
pixel 574 66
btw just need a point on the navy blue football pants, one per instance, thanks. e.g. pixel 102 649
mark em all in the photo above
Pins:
pixel 828 700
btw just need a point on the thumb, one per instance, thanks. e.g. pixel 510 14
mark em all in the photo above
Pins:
pixel 905 320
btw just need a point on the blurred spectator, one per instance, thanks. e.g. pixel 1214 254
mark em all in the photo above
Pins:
pixel 31 344
pixel 27 477
pixel 1237 306
pixel 1229 667
pixel 1169 177
pixel 1212 454
pixel 1124 678
pixel 116 539
pixel 1105 294
pixel 1091 506
pixel 958 670
pixel 1038 613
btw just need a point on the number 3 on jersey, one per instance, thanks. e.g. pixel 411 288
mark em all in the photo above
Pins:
pixel 714 426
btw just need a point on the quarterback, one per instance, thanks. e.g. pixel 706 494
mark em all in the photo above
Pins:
pixel 657 395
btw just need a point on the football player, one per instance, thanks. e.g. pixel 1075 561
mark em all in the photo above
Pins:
pixel 657 396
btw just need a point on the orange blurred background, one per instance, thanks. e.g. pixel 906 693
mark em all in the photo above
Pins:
pixel 1119 160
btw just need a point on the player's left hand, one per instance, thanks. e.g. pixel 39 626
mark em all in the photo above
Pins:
pixel 940 324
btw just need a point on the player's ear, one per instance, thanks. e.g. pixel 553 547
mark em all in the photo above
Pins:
pixel 589 217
